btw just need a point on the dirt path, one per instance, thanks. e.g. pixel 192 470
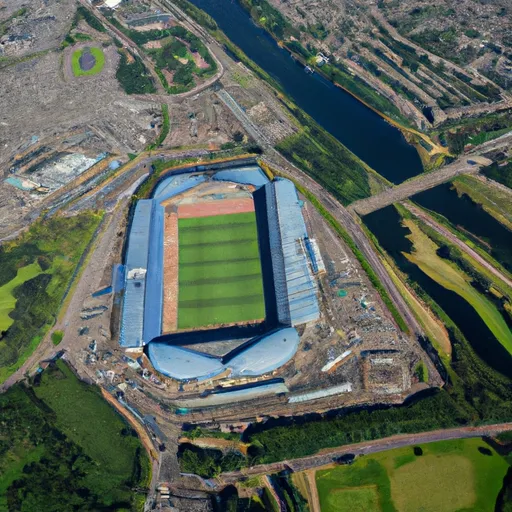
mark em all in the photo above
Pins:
pixel 313 491
pixel 425 217
pixel 326 457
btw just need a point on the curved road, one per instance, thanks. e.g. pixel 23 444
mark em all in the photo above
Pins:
pixel 326 457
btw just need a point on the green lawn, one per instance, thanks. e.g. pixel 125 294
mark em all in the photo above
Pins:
pixel 219 271
pixel 450 476
pixel 7 299
pixel 36 268
pixel 98 55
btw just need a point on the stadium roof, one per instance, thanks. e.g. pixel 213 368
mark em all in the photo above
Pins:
pixel 250 175
pixel 135 288
pixel 293 277
pixel 264 355
pixel 183 364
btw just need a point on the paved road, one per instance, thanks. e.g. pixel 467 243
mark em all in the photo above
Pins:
pixel 419 184
pixel 326 457
pixel 425 217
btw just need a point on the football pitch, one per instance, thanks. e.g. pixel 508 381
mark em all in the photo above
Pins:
pixel 220 278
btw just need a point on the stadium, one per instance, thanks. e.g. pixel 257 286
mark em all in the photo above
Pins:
pixel 218 273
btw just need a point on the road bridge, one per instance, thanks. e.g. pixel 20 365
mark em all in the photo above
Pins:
pixel 469 164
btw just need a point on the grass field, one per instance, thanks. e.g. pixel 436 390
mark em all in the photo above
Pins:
pixel 7 299
pixel 64 448
pixel 449 476
pixel 98 55
pixel 448 276
pixel 72 400
pixel 220 278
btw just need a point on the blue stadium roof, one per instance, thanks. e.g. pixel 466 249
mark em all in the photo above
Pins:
pixel 136 258
pixel 264 355
pixel 250 175
pixel 296 290
pixel 183 364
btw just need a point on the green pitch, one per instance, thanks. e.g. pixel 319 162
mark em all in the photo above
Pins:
pixel 220 278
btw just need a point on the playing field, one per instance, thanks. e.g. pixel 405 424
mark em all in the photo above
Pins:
pixel 220 278
pixel 465 474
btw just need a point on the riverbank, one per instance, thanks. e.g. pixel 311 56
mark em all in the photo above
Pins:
pixel 388 153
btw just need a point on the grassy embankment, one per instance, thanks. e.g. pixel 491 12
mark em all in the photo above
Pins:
pixel 495 202
pixel 54 460
pixel 99 58
pixel 312 149
pixel 465 474
pixel 55 247
pixel 432 325
pixel 450 277
pixel 478 245
pixel 500 173
pixel 166 125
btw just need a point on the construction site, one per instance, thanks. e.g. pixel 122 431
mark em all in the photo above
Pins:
pixel 273 307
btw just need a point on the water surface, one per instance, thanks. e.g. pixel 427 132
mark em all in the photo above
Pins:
pixel 361 130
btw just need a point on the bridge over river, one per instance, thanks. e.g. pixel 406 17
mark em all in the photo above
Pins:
pixel 465 165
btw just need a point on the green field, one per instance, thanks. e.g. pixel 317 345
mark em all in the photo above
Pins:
pixel 220 278
pixel 451 278
pixel 98 55
pixel 7 299
pixel 65 448
pixel 449 476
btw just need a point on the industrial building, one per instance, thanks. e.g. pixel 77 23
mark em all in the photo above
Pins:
pixel 289 261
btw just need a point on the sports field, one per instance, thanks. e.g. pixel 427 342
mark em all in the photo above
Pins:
pixel 220 278
pixel 464 474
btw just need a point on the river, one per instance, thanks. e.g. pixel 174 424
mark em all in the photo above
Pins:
pixel 385 225
pixel 365 133
pixel 470 218
pixel 384 148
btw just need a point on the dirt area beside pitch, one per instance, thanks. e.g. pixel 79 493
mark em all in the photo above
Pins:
pixel 170 307
pixel 213 208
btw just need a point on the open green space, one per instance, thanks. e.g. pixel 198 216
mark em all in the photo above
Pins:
pixel 464 474
pixel 52 459
pixel 35 271
pixel 220 278
pixel 181 53
pixel 450 277
pixel 7 299
pixel 98 56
